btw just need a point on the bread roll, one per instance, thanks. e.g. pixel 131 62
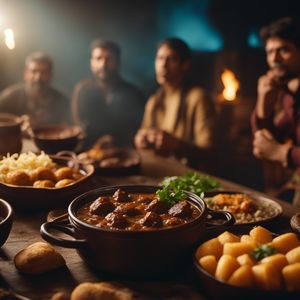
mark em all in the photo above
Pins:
pixel 38 258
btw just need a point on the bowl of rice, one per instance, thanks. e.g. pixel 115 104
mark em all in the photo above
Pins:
pixel 245 207
pixel 39 181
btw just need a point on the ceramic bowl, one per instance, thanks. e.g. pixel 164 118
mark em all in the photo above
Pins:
pixel 6 220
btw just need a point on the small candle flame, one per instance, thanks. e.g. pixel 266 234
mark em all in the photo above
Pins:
pixel 231 85
pixel 9 39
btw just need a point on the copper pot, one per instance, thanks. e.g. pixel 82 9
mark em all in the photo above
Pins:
pixel 10 134
pixel 131 252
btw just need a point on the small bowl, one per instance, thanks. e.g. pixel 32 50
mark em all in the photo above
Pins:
pixel 6 220
pixel 55 138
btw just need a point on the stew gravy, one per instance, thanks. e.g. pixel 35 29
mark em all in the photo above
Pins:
pixel 136 212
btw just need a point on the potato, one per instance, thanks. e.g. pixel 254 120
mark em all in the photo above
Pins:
pixel 38 258
pixel 291 275
pixel 245 259
pixel 261 235
pixel 267 277
pixel 286 242
pixel 242 277
pixel 101 290
pixel 245 238
pixel 210 247
pixel 278 261
pixel 227 264
pixel 208 263
pixel 293 255
pixel 237 249
pixel 228 237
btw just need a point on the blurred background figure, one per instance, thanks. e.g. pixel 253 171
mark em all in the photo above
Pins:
pixel 276 120
pixel 35 96
pixel 179 118
pixel 107 104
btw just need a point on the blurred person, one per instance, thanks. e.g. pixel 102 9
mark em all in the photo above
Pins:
pixel 107 104
pixel 179 118
pixel 275 121
pixel 35 96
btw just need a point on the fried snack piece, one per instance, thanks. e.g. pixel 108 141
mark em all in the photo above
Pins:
pixel 64 182
pixel 38 258
pixel 43 184
pixel 101 290
pixel 63 173
pixel 43 173
pixel 18 177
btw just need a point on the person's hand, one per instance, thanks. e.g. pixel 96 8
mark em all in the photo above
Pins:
pixel 145 138
pixel 268 90
pixel 266 147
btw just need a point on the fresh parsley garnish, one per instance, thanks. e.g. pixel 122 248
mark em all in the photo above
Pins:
pixel 263 251
pixel 194 182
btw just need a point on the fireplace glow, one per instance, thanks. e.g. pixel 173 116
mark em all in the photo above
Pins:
pixel 9 39
pixel 231 85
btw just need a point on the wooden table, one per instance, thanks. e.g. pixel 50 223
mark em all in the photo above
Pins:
pixel 26 231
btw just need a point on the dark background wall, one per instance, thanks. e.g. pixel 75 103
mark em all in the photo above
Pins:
pixel 220 33
pixel 65 28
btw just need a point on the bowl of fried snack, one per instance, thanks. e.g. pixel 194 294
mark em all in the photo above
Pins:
pixel 249 263
pixel 39 181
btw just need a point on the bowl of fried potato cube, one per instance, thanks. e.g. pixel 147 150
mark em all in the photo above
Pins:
pixel 256 264
pixel 31 181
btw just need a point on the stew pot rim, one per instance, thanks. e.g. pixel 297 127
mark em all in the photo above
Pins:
pixel 196 201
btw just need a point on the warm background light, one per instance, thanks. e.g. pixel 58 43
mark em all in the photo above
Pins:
pixel 231 85
pixel 9 38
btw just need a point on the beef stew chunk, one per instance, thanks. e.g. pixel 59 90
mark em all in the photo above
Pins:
pixel 102 206
pixel 143 212
pixel 121 196
pixel 152 219
pixel 157 206
pixel 116 220
pixel 128 209
pixel 181 209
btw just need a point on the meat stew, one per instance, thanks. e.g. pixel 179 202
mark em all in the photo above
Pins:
pixel 136 212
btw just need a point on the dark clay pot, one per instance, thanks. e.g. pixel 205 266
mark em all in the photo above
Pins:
pixel 130 252
pixel 10 134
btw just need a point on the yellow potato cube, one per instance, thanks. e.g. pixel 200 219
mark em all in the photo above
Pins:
pixel 242 277
pixel 228 237
pixel 286 242
pixel 210 247
pixel 237 249
pixel 291 275
pixel 267 277
pixel 245 259
pixel 227 264
pixel 278 261
pixel 293 255
pixel 245 238
pixel 261 235
pixel 208 263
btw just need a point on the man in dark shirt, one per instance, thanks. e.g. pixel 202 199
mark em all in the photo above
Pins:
pixel 35 97
pixel 277 132
pixel 107 104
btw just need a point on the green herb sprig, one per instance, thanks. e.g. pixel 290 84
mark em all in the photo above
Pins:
pixel 194 182
pixel 263 251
